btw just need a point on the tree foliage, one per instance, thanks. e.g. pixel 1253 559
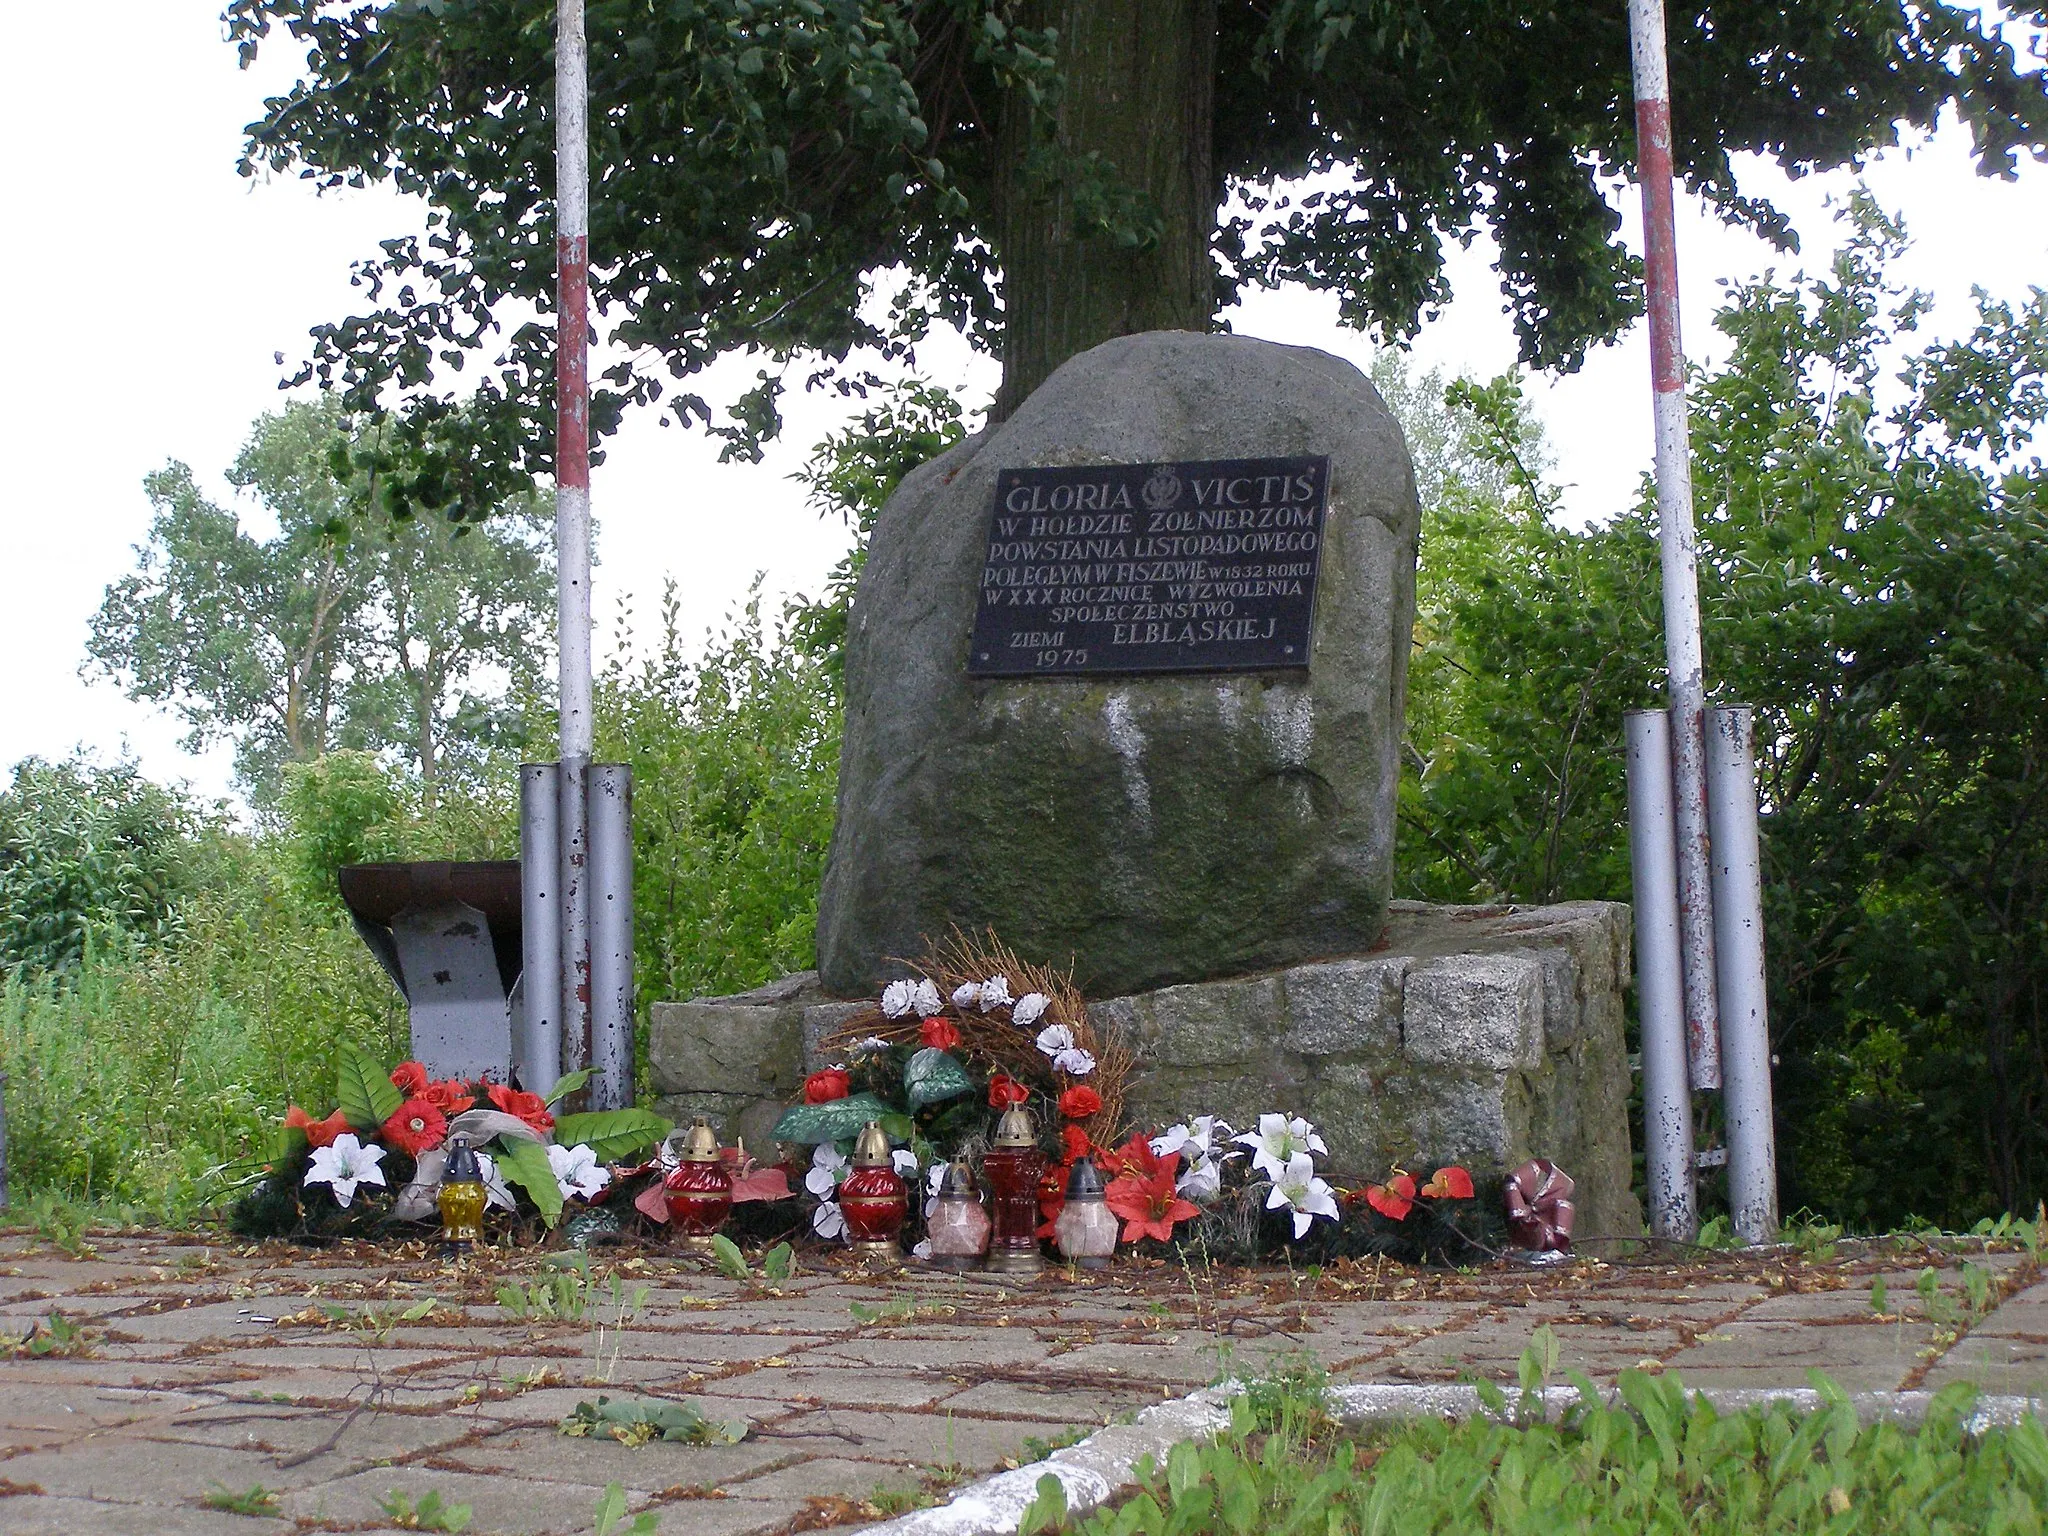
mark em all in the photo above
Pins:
pixel 810 178
pixel 356 624
pixel 1874 544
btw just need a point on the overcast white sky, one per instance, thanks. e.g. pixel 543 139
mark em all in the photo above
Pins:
pixel 149 289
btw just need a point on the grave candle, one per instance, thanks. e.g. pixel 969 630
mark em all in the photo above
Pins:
pixel 873 1199
pixel 959 1224
pixel 1012 1167
pixel 699 1192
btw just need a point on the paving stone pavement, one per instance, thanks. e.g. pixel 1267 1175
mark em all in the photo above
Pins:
pixel 184 1367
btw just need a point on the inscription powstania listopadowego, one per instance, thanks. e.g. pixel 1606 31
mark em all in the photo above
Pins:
pixel 1151 568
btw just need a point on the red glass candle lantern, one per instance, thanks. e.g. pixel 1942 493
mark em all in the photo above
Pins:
pixel 1012 1167
pixel 699 1192
pixel 873 1198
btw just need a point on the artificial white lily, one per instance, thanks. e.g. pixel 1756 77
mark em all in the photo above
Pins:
pixel 828 1220
pixel 905 1161
pixel 578 1172
pixel 1198 1138
pixel 496 1191
pixel 1030 1008
pixel 827 1164
pixel 1202 1179
pixel 344 1165
pixel 1296 1185
pixel 1278 1141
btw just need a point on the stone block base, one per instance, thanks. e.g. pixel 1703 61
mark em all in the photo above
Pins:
pixel 1478 1035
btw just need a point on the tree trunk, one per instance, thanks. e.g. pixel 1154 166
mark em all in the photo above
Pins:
pixel 1139 92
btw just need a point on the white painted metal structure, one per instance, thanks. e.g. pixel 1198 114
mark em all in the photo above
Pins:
pixel 1739 952
pixel 611 935
pixel 537 1050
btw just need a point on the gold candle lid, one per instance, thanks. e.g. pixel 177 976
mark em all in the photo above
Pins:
pixel 871 1148
pixel 1015 1128
pixel 701 1144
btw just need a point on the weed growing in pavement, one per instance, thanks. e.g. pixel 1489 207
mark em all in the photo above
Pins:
pixel 611 1514
pixel 254 1500
pixel 1037 1449
pixel 54 1335
pixel 379 1322
pixel 902 1310
pixel 777 1264
pixel 637 1421
pixel 627 1300
pixel 560 1295
pixel 429 1513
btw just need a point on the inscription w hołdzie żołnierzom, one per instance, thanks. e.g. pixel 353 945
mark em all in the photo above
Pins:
pixel 1205 567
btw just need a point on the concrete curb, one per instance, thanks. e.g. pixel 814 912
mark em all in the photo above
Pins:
pixel 1094 1471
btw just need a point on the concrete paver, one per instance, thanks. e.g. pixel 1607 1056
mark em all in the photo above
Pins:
pixel 205 1365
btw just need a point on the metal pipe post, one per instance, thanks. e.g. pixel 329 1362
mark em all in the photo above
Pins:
pixel 1677 541
pixel 537 1048
pixel 611 935
pixel 572 511
pixel 1660 992
pixel 1739 950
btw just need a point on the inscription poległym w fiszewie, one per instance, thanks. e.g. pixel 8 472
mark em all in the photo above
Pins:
pixel 1192 567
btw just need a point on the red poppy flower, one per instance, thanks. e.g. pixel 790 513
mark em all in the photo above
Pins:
pixel 1452 1183
pixel 1149 1204
pixel 409 1078
pixel 1393 1199
pixel 416 1126
pixel 1079 1102
pixel 1073 1142
pixel 529 1107
pixel 823 1087
pixel 319 1133
pixel 450 1096
pixel 1005 1091
pixel 940 1033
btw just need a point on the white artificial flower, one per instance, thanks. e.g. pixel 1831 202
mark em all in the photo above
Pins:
pixel 897 998
pixel 995 993
pixel 826 1166
pixel 925 1000
pixel 578 1171
pixel 905 1161
pixel 1296 1185
pixel 344 1165
pixel 1202 1179
pixel 1054 1038
pixel 1075 1062
pixel 923 1250
pixel 1278 1141
pixel 869 1046
pixel 932 1182
pixel 496 1191
pixel 828 1220
pixel 1197 1139
pixel 966 995
pixel 1029 1007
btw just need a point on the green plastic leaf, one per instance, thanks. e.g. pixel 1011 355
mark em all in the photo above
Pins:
pixel 933 1076
pixel 899 1127
pixel 525 1163
pixel 365 1091
pixel 839 1120
pixel 567 1084
pixel 612 1133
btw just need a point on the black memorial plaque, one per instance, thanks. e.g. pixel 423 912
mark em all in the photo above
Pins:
pixel 1151 568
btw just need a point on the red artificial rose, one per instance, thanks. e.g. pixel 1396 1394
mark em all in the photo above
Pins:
pixel 1079 1102
pixel 941 1034
pixel 450 1096
pixel 1073 1143
pixel 1393 1199
pixel 409 1078
pixel 1004 1091
pixel 529 1107
pixel 1452 1183
pixel 319 1133
pixel 416 1126
pixel 1148 1204
pixel 823 1087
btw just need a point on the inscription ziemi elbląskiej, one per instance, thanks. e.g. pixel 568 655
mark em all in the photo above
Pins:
pixel 1196 567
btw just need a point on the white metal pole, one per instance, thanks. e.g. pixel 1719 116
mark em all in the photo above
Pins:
pixel 1660 992
pixel 1739 951
pixel 1678 545
pixel 537 1051
pixel 572 510
pixel 611 935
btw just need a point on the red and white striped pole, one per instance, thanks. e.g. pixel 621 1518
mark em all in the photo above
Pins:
pixel 572 516
pixel 1678 545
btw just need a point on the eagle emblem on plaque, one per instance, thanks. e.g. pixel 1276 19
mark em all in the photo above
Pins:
pixel 1162 490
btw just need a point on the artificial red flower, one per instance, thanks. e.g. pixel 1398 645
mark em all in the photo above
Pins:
pixel 823 1087
pixel 1052 1195
pixel 409 1078
pixel 1079 1102
pixel 529 1107
pixel 1393 1199
pixel 1005 1091
pixel 416 1126
pixel 1136 1156
pixel 1148 1204
pixel 1073 1142
pixel 448 1096
pixel 319 1133
pixel 1452 1183
pixel 939 1033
